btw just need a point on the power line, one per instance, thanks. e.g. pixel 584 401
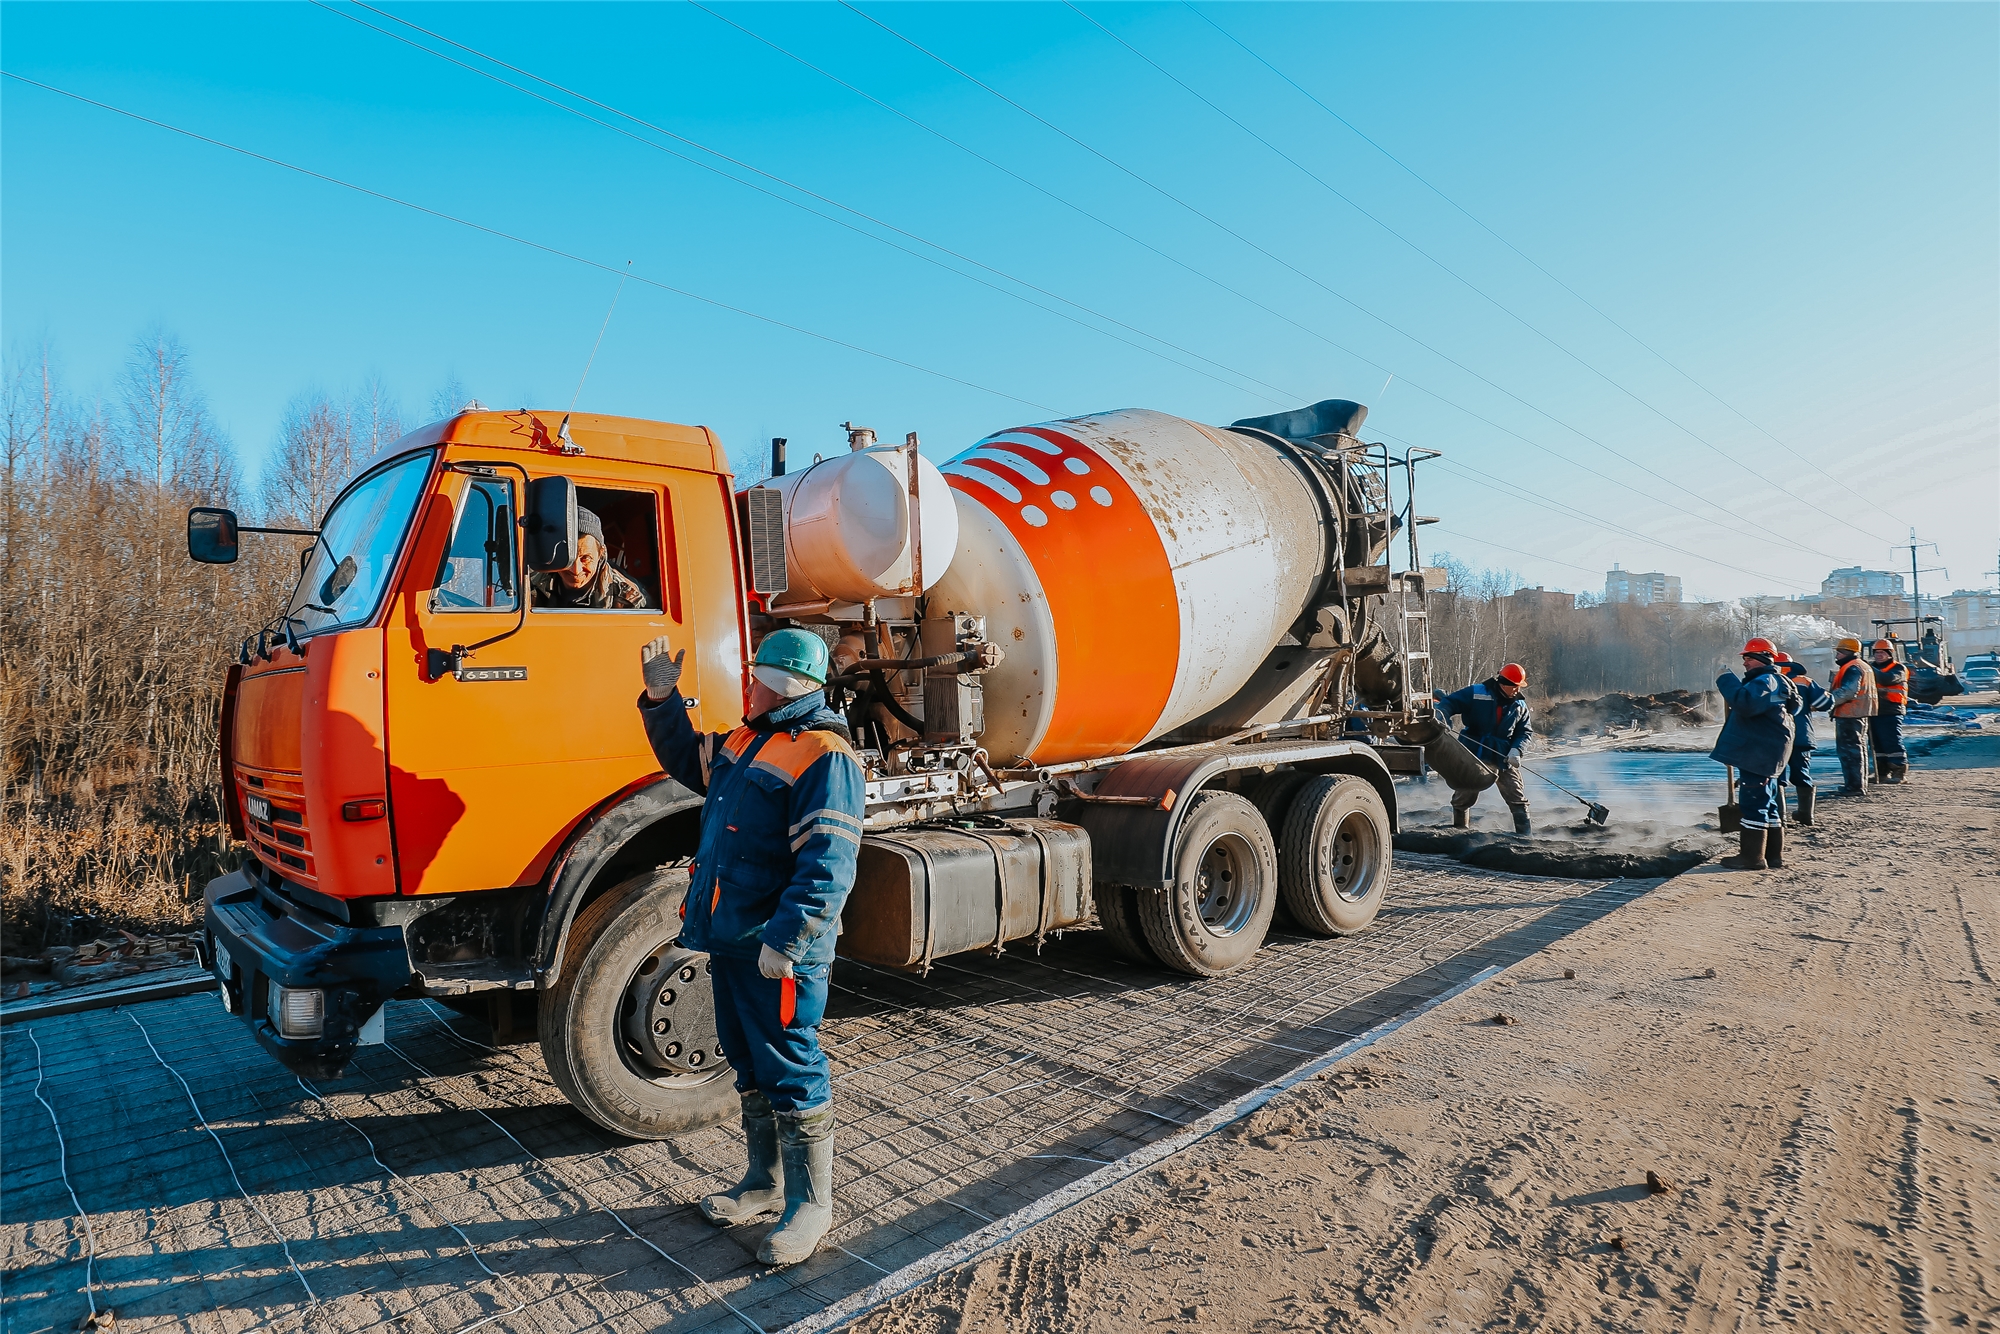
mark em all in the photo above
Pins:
pixel 523 241
pixel 1533 263
pixel 1189 268
pixel 1581 516
pixel 752 185
pixel 1445 268
pixel 1748 524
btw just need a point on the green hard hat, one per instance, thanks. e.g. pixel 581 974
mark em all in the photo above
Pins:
pixel 794 650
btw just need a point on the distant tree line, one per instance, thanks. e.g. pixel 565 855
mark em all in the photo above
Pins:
pixel 1485 619
pixel 114 646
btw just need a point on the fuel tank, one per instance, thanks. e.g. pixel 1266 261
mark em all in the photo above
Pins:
pixel 1136 568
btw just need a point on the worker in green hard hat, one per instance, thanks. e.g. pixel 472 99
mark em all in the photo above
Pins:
pixel 780 832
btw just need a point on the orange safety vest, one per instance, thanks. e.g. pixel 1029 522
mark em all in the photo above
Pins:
pixel 1892 682
pixel 1863 705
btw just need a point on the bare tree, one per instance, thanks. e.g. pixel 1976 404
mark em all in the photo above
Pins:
pixel 315 456
pixel 449 398
pixel 378 423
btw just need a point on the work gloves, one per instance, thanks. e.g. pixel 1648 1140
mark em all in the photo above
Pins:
pixel 662 673
pixel 773 964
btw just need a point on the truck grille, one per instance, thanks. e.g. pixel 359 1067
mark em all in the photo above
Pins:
pixel 281 837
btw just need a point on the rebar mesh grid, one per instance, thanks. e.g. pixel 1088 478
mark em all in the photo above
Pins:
pixel 441 1160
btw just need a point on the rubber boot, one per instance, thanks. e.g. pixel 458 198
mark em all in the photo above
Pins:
pixel 762 1189
pixel 1774 847
pixel 1461 818
pixel 805 1141
pixel 1521 825
pixel 1751 857
pixel 1806 796
pixel 1898 772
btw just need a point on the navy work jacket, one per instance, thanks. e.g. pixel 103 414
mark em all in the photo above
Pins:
pixel 1496 728
pixel 1757 734
pixel 1813 698
pixel 780 830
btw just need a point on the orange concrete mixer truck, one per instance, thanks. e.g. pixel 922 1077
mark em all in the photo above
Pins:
pixel 1125 672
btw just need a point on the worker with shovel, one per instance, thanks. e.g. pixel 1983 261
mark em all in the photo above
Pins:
pixel 1756 739
pixel 1812 699
pixel 1496 732
pixel 1852 694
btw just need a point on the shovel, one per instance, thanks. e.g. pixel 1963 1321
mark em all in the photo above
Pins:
pixel 1729 815
pixel 1599 813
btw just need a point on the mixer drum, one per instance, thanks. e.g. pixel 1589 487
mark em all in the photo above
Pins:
pixel 1136 568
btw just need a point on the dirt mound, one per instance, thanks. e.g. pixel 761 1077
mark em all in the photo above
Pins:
pixel 1591 854
pixel 1662 712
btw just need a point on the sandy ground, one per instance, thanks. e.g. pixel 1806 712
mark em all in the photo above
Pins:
pixel 1807 1057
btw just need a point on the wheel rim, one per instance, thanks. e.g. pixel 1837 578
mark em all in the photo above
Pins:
pixel 1354 857
pixel 1226 885
pixel 666 1019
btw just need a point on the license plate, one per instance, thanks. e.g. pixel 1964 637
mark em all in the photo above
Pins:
pixel 259 807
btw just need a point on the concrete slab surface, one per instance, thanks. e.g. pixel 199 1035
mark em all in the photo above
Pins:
pixel 444 1184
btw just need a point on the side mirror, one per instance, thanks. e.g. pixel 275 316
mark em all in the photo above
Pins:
pixel 212 535
pixel 549 524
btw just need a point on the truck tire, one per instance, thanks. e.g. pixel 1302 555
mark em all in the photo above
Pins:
pixel 1334 855
pixel 622 962
pixel 1272 796
pixel 1118 917
pixel 1215 914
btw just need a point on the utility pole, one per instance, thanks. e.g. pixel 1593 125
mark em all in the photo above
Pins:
pixel 1916 597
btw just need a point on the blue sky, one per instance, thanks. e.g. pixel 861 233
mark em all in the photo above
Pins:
pixel 1798 206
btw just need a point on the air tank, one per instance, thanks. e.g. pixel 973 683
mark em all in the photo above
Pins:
pixel 1136 568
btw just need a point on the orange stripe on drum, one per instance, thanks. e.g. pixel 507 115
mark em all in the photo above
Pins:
pixel 1110 587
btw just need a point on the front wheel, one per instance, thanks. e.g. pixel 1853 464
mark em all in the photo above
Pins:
pixel 1217 911
pixel 628 1030
pixel 1333 855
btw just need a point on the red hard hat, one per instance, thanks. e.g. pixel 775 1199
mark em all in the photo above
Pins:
pixel 1884 646
pixel 1759 645
pixel 1781 657
pixel 1514 672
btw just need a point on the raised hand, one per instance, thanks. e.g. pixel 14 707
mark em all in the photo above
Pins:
pixel 662 673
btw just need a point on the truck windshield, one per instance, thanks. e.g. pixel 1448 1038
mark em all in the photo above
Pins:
pixel 357 548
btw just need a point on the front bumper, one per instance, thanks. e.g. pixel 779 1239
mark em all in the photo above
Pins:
pixel 270 937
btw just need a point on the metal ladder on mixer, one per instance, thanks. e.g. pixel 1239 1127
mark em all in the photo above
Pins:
pixel 1413 622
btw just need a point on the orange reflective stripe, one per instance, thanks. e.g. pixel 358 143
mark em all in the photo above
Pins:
pixel 790 756
pixel 788 1000
pixel 716 901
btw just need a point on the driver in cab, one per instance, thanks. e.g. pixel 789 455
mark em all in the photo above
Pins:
pixel 592 583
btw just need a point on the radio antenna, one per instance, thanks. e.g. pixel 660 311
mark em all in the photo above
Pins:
pixel 600 339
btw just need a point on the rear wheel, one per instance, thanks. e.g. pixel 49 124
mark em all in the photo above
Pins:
pixel 1118 915
pixel 1272 796
pixel 628 1030
pixel 1216 913
pixel 1334 855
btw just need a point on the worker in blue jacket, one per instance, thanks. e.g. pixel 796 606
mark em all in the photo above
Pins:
pixel 1813 698
pixel 1496 732
pixel 780 832
pixel 1756 738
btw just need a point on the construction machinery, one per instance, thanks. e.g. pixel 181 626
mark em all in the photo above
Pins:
pixel 1928 658
pixel 1125 671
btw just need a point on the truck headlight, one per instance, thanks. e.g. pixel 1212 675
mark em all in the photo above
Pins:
pixel 298 1012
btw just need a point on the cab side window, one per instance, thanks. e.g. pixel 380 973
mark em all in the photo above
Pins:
pixel 478 572
pixel 618 555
